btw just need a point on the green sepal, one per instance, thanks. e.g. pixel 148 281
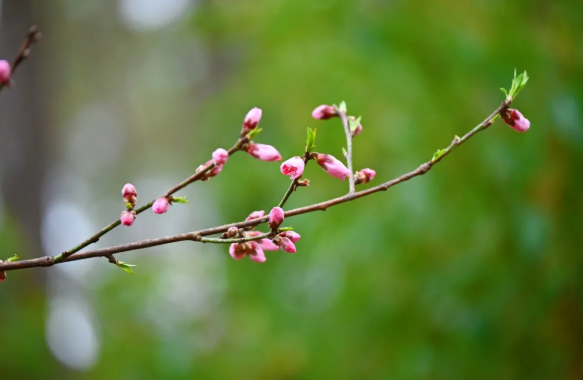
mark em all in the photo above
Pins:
pixel 342 106
pixel 438 154
pixel 354 123
pixel 253 133
pixel 11 259
pixel 283 229
pixel 311 140
pixel 180 200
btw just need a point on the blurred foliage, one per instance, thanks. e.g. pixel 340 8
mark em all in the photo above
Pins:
pixel 471 271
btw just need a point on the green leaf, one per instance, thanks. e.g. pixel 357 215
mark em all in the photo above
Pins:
pixel 438 154
pixel 11 259
pixel 354 123
pixel 180 200
pixel 504 91
pixel 518 83
pixel 286 229
pixel 311 139
pixel 342 106
pixel 253 133
pixel 344 152
pixel 126 267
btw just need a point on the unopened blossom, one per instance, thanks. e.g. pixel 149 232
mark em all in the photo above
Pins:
pixel 127 218
pixel 286 245
pixel 2 274
pixel 276 217
pixel 210 173
pixel 160 206
pixel 249 248
pixel 324 112
pixel 220 156
pixel 267 245
pixel 252 119
pixel 255 215
pixel 294 167
pixel 4 72
pixel 357 131
pixel 291 235
pixel 264 152
pixel 515 120
pixel 364 176
pixel 333 166
pixel 232 232
pixel 130 194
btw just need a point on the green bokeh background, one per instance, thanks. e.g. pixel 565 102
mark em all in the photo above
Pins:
pixel 473 271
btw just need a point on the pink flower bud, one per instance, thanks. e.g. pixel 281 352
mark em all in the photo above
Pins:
pixel 255 215
pixel 211 173
pixel 357 131
pixel 515 120
pixel 291 235
pixel 4 71
pixel 232 232
pixel 252 119
pixel 324 112
pixel 364 176
pixel 220 156
pixel 294 167
pixel 2 274
pixel 129 193
pixel 276 217
pixel 264 152
pixel 250 248
pixel 268 245
pixel 160 205
pixel 333 166
pixel 287 245
pixel 127 218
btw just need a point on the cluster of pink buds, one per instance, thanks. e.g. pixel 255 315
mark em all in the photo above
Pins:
pixel 255 249
pixel 130 197
pixel 515 120
pixel 364 176
pixel 5 72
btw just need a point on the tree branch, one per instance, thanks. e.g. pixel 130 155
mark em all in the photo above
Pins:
pixel 47 261
pixel 193 178
pixel 346 124
pixel 32 36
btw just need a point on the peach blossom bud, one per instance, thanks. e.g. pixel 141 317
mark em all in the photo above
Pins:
pixel 160 205
pixel 255 215
pixel 357 131
pixel 210 173
pixel 220 156
pixel 130 195
pixel 268 245
pixel 515 120
pixel 252 119
pixel 324 112
pixel 232 232
pixel 251 249
pixel 291 235
pixel 294 167
pixel 364 176
pixel 264 152
pixel 127 218
pixel 4 71
pixel 287 245
pixel 333 166
pixel 276 217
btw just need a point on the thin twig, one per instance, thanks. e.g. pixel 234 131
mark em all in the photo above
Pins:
pixel 346 124
pixel 32 36
pixel 47 261
pixel 193 178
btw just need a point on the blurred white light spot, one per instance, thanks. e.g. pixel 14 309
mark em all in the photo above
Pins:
pixel 64 226
pixel 149 15
pixel 70 333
